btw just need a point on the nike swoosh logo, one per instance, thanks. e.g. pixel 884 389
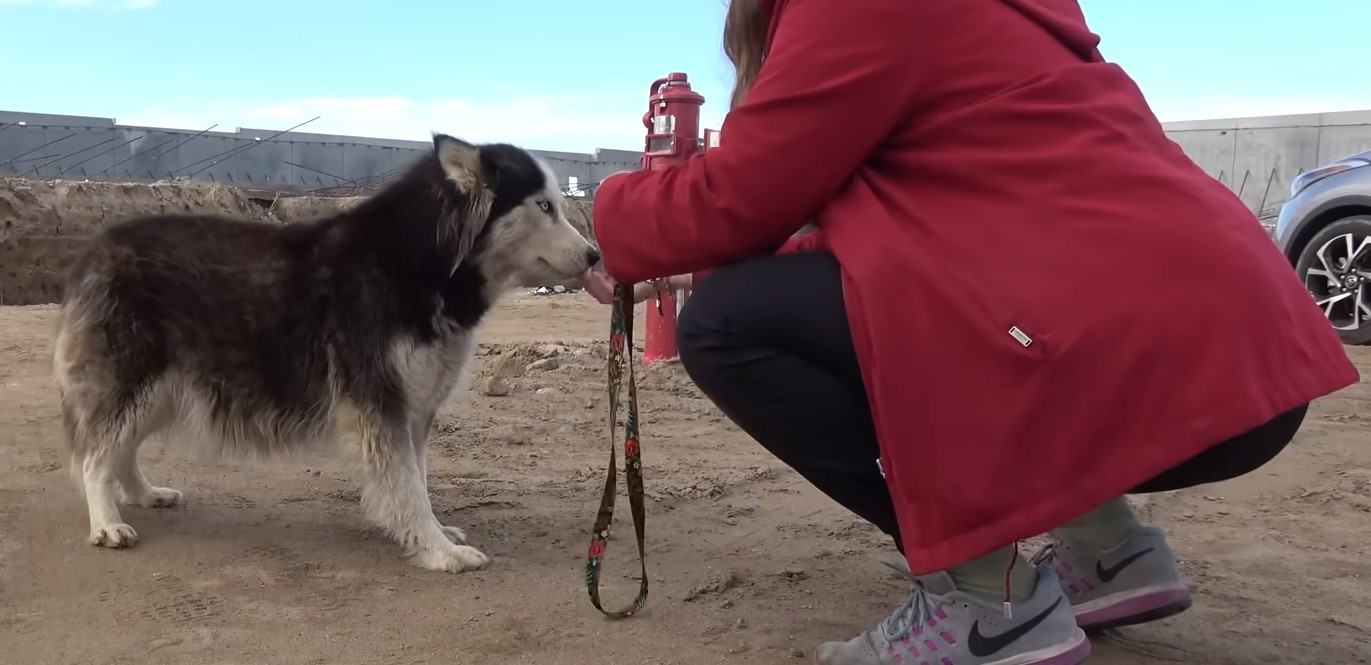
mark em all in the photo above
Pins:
pixel 1108 574
pixel 982 646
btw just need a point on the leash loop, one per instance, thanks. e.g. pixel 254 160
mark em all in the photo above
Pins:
pixel 620 371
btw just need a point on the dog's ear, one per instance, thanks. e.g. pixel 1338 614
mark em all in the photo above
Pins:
pixel 470 222
pixel 461 162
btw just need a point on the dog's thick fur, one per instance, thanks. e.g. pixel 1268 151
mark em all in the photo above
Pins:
pixel 256 338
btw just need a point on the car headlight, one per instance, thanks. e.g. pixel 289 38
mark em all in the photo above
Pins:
pixel 1310 177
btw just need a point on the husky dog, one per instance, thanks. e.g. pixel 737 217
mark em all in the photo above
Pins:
pixel 257 338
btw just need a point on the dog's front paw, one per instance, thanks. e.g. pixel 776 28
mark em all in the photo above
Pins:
pixel 456 535
pixel 451 558
pixel 157 497
pixel 113 536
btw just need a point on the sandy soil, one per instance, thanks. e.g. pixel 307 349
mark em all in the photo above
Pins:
pixel 272 563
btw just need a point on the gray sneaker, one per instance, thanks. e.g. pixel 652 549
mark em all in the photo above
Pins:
pixel 941 625
pixel 1136 582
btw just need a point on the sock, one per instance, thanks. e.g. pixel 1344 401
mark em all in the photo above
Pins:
pixel 1101 529
pixel 985 576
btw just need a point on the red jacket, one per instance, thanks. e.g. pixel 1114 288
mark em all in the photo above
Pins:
pixel 977 168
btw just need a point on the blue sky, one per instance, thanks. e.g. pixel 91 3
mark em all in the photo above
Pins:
pixel 554 74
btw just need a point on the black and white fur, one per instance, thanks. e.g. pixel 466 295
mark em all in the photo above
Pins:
pixel 257 338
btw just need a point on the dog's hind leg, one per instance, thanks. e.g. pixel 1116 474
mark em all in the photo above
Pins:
pixel 395 494
pixel 107 411
pixel 104 443
pixel 419 437
pixel 134 488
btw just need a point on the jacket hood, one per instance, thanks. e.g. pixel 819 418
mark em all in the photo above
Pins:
pixel 772 8
pixel 1063 19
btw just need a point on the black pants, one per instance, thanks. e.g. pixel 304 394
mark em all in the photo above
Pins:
pixel 768 342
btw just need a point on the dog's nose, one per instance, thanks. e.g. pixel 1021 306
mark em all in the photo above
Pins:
pixel 592 256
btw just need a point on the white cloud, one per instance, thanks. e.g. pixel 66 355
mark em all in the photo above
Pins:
pixel 111 4
pixel 579 123
pixel 1234 106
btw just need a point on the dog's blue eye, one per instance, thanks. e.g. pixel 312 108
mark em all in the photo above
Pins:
pixel 545 206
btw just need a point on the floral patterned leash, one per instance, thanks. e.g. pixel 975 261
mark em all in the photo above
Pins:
pixel 620 370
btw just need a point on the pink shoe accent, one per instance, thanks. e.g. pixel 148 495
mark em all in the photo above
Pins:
pixel 1155 602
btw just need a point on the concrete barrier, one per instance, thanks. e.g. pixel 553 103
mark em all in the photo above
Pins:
pixel 42 145
pixel 1258 157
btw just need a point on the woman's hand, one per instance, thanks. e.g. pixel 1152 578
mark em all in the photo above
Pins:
pixel 601 286
pixel 596 282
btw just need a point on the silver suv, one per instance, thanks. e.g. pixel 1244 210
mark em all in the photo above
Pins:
pixel 1325 231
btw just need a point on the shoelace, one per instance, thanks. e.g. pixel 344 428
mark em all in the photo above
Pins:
pixel 1045 555
pixel 915 612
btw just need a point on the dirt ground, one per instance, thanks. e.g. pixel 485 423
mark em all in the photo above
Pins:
pixel 271 563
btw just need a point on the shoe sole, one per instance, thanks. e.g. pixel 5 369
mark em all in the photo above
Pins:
pixel 1073 652
pixel 1145 608
pixel 1078 652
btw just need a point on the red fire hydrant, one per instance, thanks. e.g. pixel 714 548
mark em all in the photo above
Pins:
pixel 673 136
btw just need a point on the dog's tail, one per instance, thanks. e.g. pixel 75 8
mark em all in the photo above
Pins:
pixel 76 459
pixel 69 375
pixel 102 408
pixel 72 426
pixel 80 359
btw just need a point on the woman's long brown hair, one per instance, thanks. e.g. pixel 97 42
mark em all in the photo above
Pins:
pixel 744 37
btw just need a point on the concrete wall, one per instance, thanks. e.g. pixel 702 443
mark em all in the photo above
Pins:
pixel 78 147
pixel 1258 157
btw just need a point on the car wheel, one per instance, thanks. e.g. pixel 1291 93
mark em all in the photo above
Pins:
pixel 1336 268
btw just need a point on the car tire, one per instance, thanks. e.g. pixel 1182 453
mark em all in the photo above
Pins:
pixel 1335 266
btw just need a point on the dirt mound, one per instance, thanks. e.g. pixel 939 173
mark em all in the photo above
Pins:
pixel 304 208
pixel 578 213
pixel 45 223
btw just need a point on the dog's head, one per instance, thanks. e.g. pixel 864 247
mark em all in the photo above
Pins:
pixel 514 230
